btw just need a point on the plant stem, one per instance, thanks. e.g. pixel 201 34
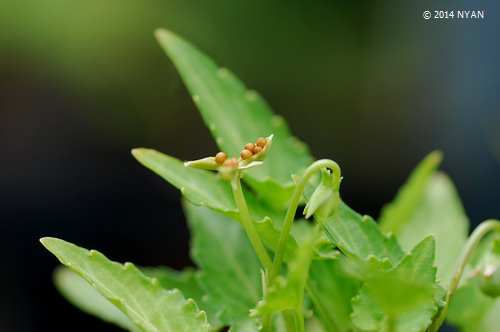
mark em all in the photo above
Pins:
pixel 328 320
pixel 391 323
pixel 246 221
pixel 290 320
pixel 299 321
pixel 474 239
pixel 290 214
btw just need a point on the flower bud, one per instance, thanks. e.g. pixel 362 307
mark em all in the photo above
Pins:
pixel 489 278
pixel 325 200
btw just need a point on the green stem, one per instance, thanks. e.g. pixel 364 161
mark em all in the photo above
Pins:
pixel 391 323
pixel 246 221
pixel 299 321
pixel 474 239
pixel 294 203
pixel 328 320
pixel 290 321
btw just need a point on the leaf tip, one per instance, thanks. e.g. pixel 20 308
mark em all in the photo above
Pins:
pixel 436 156
pixel 136 152
pixel 47 240
pixel 162 33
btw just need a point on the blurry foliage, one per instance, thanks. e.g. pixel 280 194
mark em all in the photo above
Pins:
pixel 344 65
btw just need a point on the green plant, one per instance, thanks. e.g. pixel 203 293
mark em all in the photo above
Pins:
pixel 258 268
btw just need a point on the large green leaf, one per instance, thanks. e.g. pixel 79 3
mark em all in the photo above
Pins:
pixel 395 214
pixel 234 114
pixel 142 299
pixel 187 282
pixel 199 186
pixel 331 291
pixel 83 296
pixel 359 236
pixel 230 270
pixel 428 204
pixel 406 293
pixel 439 213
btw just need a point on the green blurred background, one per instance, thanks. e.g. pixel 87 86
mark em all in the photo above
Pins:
pixel 367 83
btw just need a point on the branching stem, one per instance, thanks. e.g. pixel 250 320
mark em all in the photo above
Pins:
pixel 474 239
pixel 290 214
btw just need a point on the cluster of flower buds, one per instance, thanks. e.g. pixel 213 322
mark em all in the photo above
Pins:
pixel 252 155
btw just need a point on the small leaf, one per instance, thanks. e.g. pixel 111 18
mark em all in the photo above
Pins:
pixel 405 293
pixel 142 299
pixel 270 236
pixel 79 293
pixel 229 267
pixel 287 293
pixel 397 213
pixel 234 114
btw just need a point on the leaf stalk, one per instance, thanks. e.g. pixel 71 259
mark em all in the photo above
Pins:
pixel 294 203
pixel 474 239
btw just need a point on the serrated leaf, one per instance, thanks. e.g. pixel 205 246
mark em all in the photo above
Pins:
pixel 187 282
pixel 83 296
pixel 428 204
pixel 199 186
pixel 230 270
pixel 287 293
pixel 395 214
pixel 142 299
pixel 359 236
pixel 331 291
pixel 234 114
pixel 405 293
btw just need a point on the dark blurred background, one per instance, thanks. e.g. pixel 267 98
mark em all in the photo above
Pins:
pixel 367 83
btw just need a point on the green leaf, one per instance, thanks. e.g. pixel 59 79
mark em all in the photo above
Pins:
pixel 230 270
pixel 287 293
pixel 331 291
pixel 394 215
pixel 142 299
pixel 359 236
pixel 270 236
pixel 83 296
pixel 199 186
pixel 405 293
pixel 187 282
pixel 234 114
pixel 439 212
